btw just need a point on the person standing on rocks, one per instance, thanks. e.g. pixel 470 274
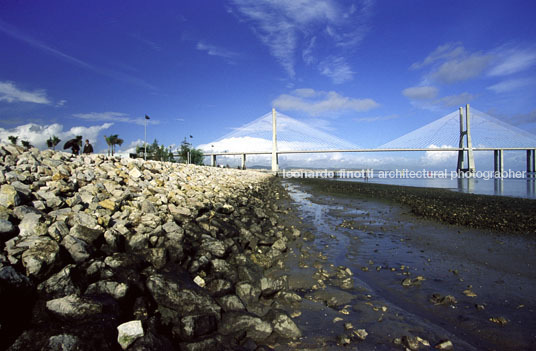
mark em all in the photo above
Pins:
pixel 88 148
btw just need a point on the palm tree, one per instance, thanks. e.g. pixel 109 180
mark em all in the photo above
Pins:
pixel 53 141
pixel 109 142
pixel 115 140
pixel 13 139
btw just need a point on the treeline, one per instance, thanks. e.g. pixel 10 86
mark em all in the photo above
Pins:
pixel 186 153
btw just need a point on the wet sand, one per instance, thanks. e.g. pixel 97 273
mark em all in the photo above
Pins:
pixel 402 265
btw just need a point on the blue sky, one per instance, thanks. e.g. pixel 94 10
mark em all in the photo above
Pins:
pixel 365 71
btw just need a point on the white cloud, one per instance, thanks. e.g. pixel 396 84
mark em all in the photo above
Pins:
pixel 439 157
pixel 213 50
pixel 318 102
pixel 510 85
pixel 375 119
pixel 460 69
pixel 420 93
pixel 513 60
pixel 442 52
pixel 286 27
pixel 10 93
pixel 337 69
pixel 456 100
pixel 114 117
pixel 61 103
pixel 451 62
pixel 37 134
pixel 425 97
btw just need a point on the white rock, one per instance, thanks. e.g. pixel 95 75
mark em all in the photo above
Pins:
pixel 128 333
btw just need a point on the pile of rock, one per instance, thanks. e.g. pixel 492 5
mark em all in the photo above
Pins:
pixel 109 253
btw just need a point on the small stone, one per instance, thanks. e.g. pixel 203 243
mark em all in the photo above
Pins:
pixel 499 320
pixel 199 281
pixel 108 204
pixel 128 333
pixel 444 345
pixel 361 334
pixel 469 293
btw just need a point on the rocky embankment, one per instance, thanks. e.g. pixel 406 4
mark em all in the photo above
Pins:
pixel 102 253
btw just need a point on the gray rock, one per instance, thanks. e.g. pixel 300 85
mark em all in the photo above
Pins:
pixel 156 257
pixel 9 196
pixel 58 230
pixel 207 344
pixel 115 289
pixel 231 303
pixel 63 342
pixel 271 286
pixel 195 326
pixel 138 242
pixel 285 326
pixel 31 225
pixel 78 249
pixel 87 234
pixel 73 307
pixel 39 258
pixel 6 228
pixel 168 292
pixel 60 284
pixel 237 322
pixel 148 207
pixel 9 277
pixel 248 293
pixel 280 245
pixel 215 247
pixel 128 332
pixel 219 287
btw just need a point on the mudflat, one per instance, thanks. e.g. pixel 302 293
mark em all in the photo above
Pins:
pixel 386 267
pixel 507 214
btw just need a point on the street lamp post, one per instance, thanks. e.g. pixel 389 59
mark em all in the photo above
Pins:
pixel 145 140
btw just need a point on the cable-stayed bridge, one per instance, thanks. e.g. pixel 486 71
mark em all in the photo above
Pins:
pixel 465 132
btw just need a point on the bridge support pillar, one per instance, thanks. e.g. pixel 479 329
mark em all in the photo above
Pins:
pixel 531 163
pixel 465 133
pixel 213 160
pixel 498 162
pixel 243 166
pixel 275 159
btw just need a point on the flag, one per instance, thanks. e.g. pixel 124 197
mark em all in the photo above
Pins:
pixel 147 117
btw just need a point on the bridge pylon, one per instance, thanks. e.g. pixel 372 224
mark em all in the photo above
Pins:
pixel 275 160
pixel 465 138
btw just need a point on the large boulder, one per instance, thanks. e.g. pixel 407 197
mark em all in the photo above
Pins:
pixel 40 257
pixel 73 307
pixel 168 290
pixel 235 323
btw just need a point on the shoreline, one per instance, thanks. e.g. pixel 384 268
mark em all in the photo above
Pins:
pixel 499 213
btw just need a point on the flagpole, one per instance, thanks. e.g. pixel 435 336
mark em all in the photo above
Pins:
pixel 145 141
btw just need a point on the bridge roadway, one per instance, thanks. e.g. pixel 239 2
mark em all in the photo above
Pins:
pixel 498 154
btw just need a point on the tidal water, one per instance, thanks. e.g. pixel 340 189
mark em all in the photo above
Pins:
pixel 524 188
pixel 490 275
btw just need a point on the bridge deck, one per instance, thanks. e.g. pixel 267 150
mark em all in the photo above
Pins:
pixel 365 150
